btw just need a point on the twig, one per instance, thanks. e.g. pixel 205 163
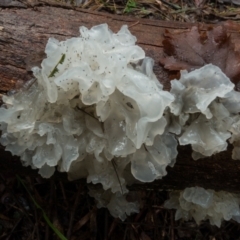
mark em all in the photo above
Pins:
pixel 46 232
pixel 115 169
pixel 106 225
pixel 14 227
pixel 82 110
pixel 30 84
pixel 172 226
pixel 63 193
pixel 49 210
pixel 73 211
pixel 36 224
pixel 174 6
pixel 134 24
pixel 93 225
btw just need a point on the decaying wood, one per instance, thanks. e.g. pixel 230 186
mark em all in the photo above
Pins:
pixel 23 35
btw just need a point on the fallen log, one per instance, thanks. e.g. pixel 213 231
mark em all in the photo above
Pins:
pixel 23 36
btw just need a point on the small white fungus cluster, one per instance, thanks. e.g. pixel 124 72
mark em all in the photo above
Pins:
pixel 205 111
pixel 97 111
pixel 201 204
pixel 114 202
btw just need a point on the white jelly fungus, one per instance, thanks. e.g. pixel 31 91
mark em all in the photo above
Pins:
pixel 96 110
pixel 202 204
pixel 204 109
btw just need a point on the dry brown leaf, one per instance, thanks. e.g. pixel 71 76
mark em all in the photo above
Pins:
pixel 194 48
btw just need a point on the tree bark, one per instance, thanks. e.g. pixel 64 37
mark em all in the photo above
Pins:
pixel 24 33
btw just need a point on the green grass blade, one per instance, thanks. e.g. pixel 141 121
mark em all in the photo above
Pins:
pixel 59 234
pixel 55 70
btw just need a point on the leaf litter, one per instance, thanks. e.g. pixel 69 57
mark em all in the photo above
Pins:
pixel 193 48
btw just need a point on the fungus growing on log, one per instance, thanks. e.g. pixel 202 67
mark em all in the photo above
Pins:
pixel 202 204
pixel 97 111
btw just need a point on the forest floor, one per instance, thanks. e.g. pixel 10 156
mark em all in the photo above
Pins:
pixel 208 11
pixel 28 203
